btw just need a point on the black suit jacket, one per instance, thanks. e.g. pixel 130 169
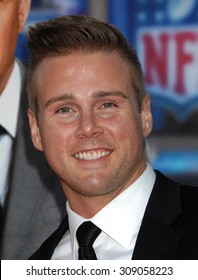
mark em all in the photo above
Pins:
pixel 169 227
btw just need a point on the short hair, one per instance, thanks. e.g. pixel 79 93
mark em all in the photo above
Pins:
pixel 69 34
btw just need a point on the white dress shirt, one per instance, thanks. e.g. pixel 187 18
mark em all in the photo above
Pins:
pixel 119 221
pixel 9 108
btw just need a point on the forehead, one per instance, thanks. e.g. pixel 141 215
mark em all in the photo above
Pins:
pixel 83 70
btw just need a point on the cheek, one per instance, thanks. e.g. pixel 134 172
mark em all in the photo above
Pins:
pixel 55 137
pixel 48 133
pixel 53 147
pixel 9 31
pixel 124 126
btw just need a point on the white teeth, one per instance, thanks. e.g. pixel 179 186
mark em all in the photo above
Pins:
pixel 91 156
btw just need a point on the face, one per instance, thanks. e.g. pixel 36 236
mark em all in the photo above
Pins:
pixel 13 14
pixel 88 125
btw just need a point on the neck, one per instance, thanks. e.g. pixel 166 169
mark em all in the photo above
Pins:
pixel 88 206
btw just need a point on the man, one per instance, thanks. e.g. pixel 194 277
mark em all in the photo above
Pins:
pixel 32 202
pixel 90 114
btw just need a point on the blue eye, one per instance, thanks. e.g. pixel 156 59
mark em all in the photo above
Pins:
pixel 108 105
pixel 64 110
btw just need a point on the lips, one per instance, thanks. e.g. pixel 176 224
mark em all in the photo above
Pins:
pixel 92 155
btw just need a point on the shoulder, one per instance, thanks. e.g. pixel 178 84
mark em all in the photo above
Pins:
pixel 188 194
pixel 171 182
pixel 189 198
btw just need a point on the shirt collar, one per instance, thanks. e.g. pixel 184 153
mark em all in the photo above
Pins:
pixel 120 218
pixel 123 215
pixel 75 221
pixel 9 101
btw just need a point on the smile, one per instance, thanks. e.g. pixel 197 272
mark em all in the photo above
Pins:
pixel 91 155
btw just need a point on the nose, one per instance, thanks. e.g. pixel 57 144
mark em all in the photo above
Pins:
pixel 88 125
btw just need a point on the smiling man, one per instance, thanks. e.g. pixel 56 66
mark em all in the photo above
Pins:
pixel 90 115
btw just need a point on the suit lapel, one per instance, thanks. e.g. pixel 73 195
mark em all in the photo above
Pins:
pixel 157 239
pixel 46 250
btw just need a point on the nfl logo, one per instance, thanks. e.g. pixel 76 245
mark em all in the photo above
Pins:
pixel 167 46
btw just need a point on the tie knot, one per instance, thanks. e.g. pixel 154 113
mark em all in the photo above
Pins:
pixel 87 233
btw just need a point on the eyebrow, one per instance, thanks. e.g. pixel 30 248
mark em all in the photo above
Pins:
pixel 59 98
pixel 109 93
pixel 97 94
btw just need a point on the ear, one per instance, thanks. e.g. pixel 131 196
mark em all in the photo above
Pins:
pixel 24 7
pixel 146 116
pixel 35 132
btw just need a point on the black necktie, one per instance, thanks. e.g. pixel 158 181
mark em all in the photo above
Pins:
pixel 1 219
pixel 86 234
pixel 2 130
